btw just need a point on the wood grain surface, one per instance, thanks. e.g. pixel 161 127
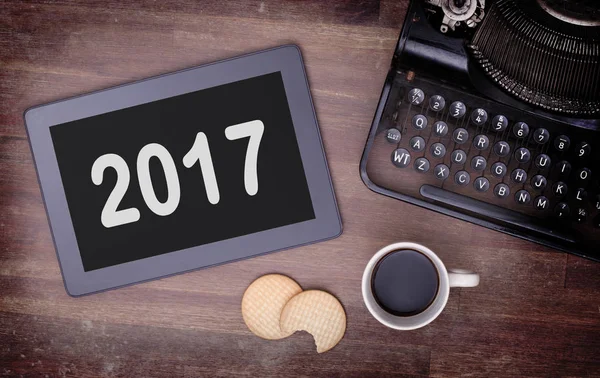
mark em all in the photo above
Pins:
pixel 536 312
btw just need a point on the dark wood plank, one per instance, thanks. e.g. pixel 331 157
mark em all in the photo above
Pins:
pixel 535 313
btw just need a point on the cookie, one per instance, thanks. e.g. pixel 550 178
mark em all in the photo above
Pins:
pixel 318 313
pixel 262 304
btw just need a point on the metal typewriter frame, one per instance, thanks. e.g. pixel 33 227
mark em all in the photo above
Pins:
pixel 455 57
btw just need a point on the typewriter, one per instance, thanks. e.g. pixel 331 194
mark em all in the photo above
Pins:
pixel 491 113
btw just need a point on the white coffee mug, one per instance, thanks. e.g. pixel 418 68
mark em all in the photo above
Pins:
pixel 447 278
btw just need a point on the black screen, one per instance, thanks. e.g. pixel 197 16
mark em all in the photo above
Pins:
pixel 249 192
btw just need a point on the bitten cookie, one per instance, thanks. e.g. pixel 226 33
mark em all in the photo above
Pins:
pixel 263 302
pixel 318 313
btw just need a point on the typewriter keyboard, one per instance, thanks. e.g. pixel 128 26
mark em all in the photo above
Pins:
pixel 507 167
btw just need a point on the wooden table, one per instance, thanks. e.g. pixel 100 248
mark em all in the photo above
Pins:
pixel 536 312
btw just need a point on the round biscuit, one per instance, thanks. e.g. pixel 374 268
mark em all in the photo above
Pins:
pixel 262 304
pixel 318 313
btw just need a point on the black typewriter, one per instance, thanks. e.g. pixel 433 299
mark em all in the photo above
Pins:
pixel 491 113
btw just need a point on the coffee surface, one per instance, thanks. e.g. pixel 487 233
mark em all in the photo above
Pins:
pixel 405 282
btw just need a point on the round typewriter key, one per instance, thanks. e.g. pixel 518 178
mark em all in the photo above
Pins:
pixel 499 169
pixel 564 168
pixel 458 157
pixel 393 135
pixel 539 182
pixel 502 148
pixel 580 215
pixel 416 96
pixel 457 109
pixel 438 150
pixel 441 171
pixel 479 117
pixel 522 155
pixel 437 103
pixel 597 202
pixel 499 123
pixel 560 189
pixel 478 163
pixel 581 194
pixel 401 158
pixel 541 135
pixel 462 178
pixel 440 129
pixel 417 143
pixel 541 203
pixel 521 130
pixel 562 143
pixel 583 149
pixel 481 142
pixel 422 165
pixel 584 174
pixel 542 161
pixel 419 122
pixel 523 197
pixel 481 184
pixel 562 210
pixel 460 135
pixel 501 190
pixel 519 176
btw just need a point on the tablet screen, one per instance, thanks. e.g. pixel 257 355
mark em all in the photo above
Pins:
pixel 184 171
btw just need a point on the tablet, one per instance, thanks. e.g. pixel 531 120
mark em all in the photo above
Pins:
pixel 181 171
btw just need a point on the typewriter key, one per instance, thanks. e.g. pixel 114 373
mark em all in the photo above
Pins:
pixel 393 135
pixel 581 215
pixel 522 155
pixel 416 96
pixel 419 122
pixel 581 194
pixel 502 148
pixel 499 169
pixel 539 182
pixel 519 176
pixel 422 165
pixel 541 135
pixel 562 143
pixel 462 178
pixel 523 197
pixel 499 123
pixel 560 189
pixel 437 103
pixel 583 149
pixel 541 203
pixel 562 210
pixel 401 158
pixel 501 190
pixel 521 130
pixel 440 129
pixel 417 143
pixel 542 161
pixel 479 117
pixel 481 184
pixel 457 109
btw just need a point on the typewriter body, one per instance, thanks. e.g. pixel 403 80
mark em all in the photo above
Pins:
pixel 491 113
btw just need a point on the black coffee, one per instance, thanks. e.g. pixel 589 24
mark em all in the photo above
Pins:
pixel 405 282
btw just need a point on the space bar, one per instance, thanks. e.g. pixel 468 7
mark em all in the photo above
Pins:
pixel 489 212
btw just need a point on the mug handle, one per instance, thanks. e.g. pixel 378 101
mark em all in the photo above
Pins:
pixel 462 278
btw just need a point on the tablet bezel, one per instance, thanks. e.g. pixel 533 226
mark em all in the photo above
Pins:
pixel 285 59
